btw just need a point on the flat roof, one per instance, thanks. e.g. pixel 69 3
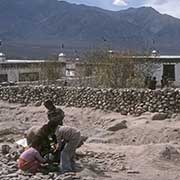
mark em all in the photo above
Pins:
pixel 163 58
pixel 168 57
pixel 156 57
pixel 160 57
pixel 16 61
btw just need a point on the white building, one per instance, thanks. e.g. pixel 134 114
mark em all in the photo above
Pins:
pixel 167 66
pixel 62 57
pixel 28 70
pixel 33 70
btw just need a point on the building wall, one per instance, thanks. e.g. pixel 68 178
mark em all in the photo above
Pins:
pixel 13 70
pixel 177 74
pixel 13 74
pixel 158 74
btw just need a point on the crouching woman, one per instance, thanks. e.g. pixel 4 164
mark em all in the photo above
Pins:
pixel 30 160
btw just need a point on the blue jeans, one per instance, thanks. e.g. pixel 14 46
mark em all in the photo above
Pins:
pixel 68 154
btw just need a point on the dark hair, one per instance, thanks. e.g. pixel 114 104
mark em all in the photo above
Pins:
pixel 48 103
pixel 36 142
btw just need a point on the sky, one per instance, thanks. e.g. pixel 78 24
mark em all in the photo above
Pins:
pixel 170 7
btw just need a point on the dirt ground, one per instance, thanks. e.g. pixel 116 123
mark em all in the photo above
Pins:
pixel 145 150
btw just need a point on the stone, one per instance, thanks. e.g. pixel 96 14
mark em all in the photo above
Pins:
pixel 5 149
pixel 122 168
pixel 133 172
pixel 12 175
pixel 124 113
pixel 10 140
pixel 88 173
pixel 69 177
pixel 37 103
pixel 116 125
pixel 58 177
pixel 115 170
pixel 159 116
pixel 174 116
pixel 88 178
pixel 125 101
pixel 170 152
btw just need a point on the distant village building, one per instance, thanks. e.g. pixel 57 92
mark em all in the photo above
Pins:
pixel 69 68
pixel 62 57
pixel 167 66
pixel 30 70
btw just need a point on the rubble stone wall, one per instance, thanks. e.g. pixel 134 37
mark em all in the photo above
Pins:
pixel 126 101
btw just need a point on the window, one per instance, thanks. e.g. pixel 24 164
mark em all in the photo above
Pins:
pixel 33 76
pixel 3 77
pixel 169 71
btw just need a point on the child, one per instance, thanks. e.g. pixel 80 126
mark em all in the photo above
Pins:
pixel 30 160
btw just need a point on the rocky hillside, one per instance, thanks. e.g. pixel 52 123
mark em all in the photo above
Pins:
pixel 39 27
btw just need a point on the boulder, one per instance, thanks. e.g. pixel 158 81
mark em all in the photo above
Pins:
pixel 124 113
pixel 117 125
pixel 159 116
pixel 170 152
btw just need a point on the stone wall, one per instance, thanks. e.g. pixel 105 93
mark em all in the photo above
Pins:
pixel 126 101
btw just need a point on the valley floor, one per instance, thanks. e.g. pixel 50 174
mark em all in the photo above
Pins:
pixel 145 150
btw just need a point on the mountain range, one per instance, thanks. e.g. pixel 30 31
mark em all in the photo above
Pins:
pixel 43 28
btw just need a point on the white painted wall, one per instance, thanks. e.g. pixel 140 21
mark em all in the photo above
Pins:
pixel 177 72
pixel 158 74
pixel 70 73
pixel 13 74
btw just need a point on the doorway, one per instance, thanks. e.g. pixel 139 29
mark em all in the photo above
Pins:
pixel 3 77
pixel 169 71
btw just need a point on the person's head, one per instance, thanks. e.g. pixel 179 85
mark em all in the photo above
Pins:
pixel 36 143
pixel 49 105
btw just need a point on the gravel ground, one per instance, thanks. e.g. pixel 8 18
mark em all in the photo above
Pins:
pixel 144 149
